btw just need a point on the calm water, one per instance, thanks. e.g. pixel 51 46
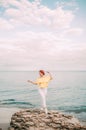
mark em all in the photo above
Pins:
pixel 66 92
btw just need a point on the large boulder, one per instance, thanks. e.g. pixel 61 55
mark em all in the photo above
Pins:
pixel 34 119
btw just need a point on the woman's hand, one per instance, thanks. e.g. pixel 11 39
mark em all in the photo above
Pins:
pixel 28 81
pixel 49 75
pixel 48 72
pixel 31 82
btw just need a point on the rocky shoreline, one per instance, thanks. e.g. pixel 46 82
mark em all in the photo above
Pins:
pixel 35 119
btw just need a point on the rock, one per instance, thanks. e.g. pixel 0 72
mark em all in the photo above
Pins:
pixel 10 128
pixel 46 120
pixel 55 125
pixel 34 119
pixel 17 125
pixel 29 123
pixel 57 120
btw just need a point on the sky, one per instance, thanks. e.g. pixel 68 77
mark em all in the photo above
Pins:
pixel 42 34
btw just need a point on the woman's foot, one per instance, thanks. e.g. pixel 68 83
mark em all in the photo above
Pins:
pixel 45 109
pixel 42 108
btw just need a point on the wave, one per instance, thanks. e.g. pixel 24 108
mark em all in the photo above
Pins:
pixel 74 109
pixel 15 102
pixel 9 100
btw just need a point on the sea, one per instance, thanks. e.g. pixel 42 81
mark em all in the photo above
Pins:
pixel 66 92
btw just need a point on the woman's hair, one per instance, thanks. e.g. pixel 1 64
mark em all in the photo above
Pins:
pixel 42 71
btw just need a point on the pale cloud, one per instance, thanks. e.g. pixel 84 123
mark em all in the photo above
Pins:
pixel 5 25
pixel 74 32
pixel 7 3
pixel 13 13
pixel 40 51
pixel 33 13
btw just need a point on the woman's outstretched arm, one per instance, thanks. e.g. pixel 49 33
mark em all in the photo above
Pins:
pixel 32 82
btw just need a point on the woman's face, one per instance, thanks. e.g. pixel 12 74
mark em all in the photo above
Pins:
pixel 41 74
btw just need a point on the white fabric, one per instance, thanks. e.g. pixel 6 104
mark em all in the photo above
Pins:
pixel 43 94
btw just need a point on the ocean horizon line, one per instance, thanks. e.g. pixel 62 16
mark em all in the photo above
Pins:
pixel 43 69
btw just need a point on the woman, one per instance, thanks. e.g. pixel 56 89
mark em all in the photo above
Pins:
pixel 42 83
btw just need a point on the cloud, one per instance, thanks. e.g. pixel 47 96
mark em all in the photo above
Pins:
pixel 35 14
pixel 5 25
pixel 74 32
pixel 41 50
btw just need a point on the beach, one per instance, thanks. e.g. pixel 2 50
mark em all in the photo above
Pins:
pixel 5 117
